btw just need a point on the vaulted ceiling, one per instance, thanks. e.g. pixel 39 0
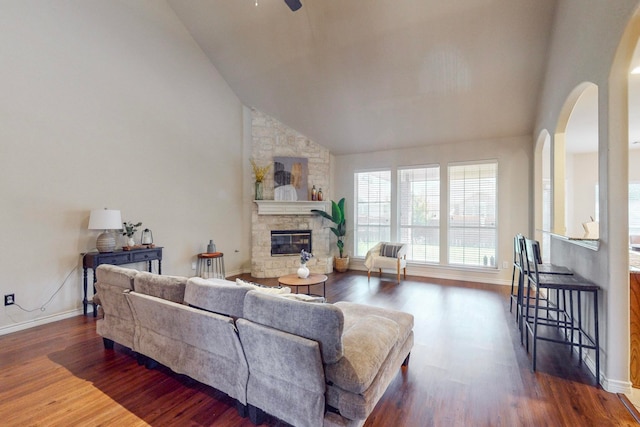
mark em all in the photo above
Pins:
pixel 367 75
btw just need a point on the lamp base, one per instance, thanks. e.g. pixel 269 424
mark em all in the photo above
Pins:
pixel 106 242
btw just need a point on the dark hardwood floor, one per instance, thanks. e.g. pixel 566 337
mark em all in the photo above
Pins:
pixel 467 368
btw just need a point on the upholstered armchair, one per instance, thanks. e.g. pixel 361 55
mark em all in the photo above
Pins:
pixel 389 256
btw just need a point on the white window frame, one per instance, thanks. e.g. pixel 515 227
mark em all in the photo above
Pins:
pixel 485 224
pixel 413 234
pixel 383 226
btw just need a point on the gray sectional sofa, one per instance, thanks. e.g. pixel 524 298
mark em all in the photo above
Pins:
pixel 307 363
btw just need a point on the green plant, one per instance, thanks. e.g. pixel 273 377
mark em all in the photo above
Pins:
pixel 337 217
pixel 130 228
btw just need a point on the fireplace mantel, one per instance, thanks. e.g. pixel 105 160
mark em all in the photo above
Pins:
pixel 277 207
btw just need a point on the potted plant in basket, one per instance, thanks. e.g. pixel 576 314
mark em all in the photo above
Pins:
pixel 340 230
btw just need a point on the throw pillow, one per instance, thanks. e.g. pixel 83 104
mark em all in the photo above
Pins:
pixel 304 298
pixel 266 289
pixel 390 250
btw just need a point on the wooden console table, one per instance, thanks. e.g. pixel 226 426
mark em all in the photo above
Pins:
pixel 93 259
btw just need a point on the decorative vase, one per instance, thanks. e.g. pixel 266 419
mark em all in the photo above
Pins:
pixel 130 241
pixel 258 190
pixel 303 271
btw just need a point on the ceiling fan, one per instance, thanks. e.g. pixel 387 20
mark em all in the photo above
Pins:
pixel 293 4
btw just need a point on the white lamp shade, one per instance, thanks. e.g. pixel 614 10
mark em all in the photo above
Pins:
pixel 105 219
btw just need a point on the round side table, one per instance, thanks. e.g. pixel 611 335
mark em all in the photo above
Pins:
pixel 293 281
pixel 211 265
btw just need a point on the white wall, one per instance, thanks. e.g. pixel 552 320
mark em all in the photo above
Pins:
pixel 586 47
pixel 582 178
pixel 109 104
pixel 514 168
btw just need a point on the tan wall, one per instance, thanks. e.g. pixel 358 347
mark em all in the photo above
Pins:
pixel 109 104
pixel 514 168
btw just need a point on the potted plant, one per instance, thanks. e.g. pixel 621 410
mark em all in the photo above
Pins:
pixel 129 229
pixel 340 230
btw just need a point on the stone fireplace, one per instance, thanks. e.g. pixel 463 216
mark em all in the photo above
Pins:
pixel 270 139
pixel 289 223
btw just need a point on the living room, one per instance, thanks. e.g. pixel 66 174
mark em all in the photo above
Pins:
pixel 119 105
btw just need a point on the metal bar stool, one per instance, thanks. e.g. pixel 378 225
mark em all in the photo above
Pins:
pixel 211 265
pixel 525 261
pixel 516 294
pixel 564 319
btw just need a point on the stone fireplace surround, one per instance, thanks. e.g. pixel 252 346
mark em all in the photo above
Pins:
pixel 271 138
pixel 265 265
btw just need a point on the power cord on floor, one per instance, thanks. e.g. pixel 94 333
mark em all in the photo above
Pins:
pixel 43 307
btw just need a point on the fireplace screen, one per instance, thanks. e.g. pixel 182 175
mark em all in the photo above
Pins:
pixel 290 242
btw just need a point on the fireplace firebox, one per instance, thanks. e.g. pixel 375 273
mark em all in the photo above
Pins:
pixel 290 242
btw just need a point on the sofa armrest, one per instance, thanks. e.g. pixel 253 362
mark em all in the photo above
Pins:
pixel 371 253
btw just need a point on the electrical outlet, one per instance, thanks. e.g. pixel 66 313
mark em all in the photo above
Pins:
pixel 505 264
pixel 193 265
pixel 9 299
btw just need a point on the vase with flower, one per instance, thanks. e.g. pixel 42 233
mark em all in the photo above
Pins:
pixel 129 230
pixel 260 172
pixel 303 270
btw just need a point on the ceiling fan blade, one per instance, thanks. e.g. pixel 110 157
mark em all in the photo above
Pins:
pixel 293 4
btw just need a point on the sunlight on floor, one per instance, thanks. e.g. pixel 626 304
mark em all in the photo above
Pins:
pixel 634 397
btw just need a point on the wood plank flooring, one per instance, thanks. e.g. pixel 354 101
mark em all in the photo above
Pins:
pixel 467 368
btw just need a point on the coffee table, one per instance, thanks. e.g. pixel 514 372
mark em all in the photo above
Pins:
pixel 292 280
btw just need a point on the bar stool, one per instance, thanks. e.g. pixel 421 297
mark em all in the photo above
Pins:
pixel 525 260
pixel 211 265
pixel 517 267
pixel 564 319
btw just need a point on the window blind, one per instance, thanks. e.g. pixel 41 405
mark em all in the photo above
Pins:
pixel 419 212
pixel 472 214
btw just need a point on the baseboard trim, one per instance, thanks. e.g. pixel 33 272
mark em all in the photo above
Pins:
pixel 27 324
pixel 445 272
pixel 615 386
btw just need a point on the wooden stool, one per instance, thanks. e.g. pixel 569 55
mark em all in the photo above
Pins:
pixel 211 265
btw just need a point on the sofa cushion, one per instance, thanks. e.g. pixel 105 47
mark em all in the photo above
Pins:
pixel 117 276
pixel 216 295
pixel 366 344
pixel 276 290
pixel 354 312
pixel 390 250
pixel 170 288
pixel 304 298
pixel 202 345
pixel 318 322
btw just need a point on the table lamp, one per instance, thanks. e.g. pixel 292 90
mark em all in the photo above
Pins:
pixel 107 220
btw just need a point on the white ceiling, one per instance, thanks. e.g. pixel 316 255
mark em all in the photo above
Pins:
pixel 364 75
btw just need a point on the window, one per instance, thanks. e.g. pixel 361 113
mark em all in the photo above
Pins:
pixel 634 208
pixel 472 214
pixel 419 212
pixel 373 210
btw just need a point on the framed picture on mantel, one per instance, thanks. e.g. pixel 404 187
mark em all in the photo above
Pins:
pixel 290 178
